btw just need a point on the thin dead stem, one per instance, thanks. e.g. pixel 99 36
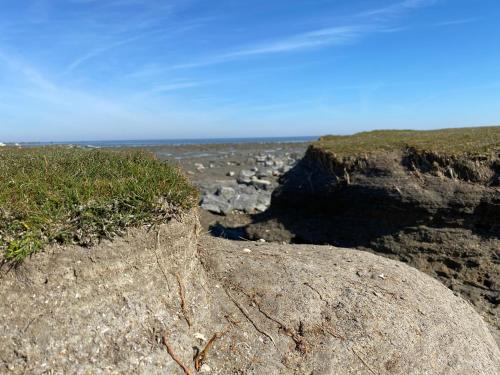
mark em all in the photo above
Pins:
pixel 170 351
pixel 182 295
pixel 200 358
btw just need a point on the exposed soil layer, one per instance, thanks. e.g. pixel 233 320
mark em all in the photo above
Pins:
pixel 164 297
pixel 438 214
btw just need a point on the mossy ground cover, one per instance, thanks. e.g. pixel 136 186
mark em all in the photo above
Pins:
pixel 70 195
pixel 480 141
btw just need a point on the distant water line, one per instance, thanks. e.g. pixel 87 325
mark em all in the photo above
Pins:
pixel 171 142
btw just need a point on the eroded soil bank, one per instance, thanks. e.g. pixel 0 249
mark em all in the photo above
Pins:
pixel 440 215
pixel 232 307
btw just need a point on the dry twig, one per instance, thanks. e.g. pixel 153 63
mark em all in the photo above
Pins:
pixel 198 360
pixel 183 299
pixel 186 370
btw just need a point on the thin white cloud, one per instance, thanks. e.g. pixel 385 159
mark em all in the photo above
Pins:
pixel 457 22
pixel 175 86
pixel 320 38
pixel 92 54
pixel 37 85
pixel 298 42
pixel 398 8
pixel 312 39
pixel 375 21
pixel 28 73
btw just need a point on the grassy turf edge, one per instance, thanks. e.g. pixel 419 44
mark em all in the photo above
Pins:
pixel 456 142
pixel 80 196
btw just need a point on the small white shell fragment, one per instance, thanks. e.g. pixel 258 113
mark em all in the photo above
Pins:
pixel 205 368
pixel 200 336
pixel 247 250
pixel 382 276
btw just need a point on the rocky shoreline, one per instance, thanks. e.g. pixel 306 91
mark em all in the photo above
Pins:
pixel 235 178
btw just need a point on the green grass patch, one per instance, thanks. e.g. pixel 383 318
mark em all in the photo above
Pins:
pixel 480 141
pixel 79 196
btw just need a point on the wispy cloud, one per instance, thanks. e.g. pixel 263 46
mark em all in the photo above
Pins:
pixel 27 72
pixel 370 22
pixel 308 40
pixel 45 90
pixel 457 22
pixel 398 8
pixel 98 51
pixel 175 86
pixel 311 39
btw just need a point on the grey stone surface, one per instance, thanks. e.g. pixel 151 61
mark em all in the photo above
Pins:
pixel 226 192
pixel 216 204
pixel 280 309
pixel 245 202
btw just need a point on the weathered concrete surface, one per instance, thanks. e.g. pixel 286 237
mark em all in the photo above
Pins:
pixel 281 309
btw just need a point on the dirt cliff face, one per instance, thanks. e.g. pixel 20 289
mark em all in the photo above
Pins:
pixel 438 214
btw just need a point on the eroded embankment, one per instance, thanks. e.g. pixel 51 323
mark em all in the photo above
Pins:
pixel 225 309
pixel 440 214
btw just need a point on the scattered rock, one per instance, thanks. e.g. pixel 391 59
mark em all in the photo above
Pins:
pixel 261 207
pixel 261 184
pixel 216 204
pixel 245 176
pixel 245 202
pixel 251 191
pixel 226 192
pixel 265 172
pixel 260 159
pixel 199 166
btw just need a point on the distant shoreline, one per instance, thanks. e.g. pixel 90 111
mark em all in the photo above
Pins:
pixel 171 142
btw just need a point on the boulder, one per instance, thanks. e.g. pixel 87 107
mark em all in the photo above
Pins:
pixel 261 184
pixel 245 202
pixel 245 176
pixel 247 189
pixel 261 159
pixel 264 198
pixel 226 192
pixel 278 163
pixel 216 204
pixel 265 308
pixel 261 207
pixel 325 310
pixel 264 172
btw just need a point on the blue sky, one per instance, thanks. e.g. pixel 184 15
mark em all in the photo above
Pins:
pixel 144 69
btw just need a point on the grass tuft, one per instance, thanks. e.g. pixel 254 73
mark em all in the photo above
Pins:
pixel 80 196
